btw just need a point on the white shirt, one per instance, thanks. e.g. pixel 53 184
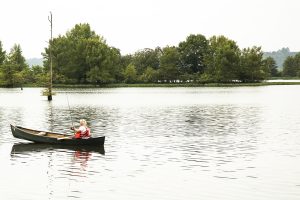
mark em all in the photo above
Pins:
pixel 82 129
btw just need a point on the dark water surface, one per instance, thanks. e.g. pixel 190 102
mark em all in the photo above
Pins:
pixel 161 143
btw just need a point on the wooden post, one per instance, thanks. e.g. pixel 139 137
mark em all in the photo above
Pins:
pixel 50 57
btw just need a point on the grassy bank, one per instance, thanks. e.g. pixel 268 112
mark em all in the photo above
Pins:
pixel 284 78
pixel 120 85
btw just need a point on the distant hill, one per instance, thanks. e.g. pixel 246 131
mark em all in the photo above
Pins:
pixel 280 56
pixel 34 61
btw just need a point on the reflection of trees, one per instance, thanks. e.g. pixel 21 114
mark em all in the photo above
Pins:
pixel 61 165
pixel 221 120
pixel 217 136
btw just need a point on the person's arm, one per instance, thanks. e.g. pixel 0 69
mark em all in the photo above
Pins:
pixel 75 129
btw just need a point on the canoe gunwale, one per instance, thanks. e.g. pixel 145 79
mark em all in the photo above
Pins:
pixel 32 131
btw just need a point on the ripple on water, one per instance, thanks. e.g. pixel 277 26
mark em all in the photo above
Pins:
pixel 202 143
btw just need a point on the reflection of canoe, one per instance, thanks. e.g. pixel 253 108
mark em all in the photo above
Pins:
pixel 39 147
pixel 54 138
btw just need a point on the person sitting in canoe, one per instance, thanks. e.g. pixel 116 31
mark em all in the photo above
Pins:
pixel 83 132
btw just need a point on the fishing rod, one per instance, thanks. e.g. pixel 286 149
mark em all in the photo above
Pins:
pixel 70 110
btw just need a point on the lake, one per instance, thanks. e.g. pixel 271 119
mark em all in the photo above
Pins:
pixel 161 143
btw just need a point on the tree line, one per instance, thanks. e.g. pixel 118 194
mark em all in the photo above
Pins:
pixel 291 66
pixel 15 72
pixel 80 56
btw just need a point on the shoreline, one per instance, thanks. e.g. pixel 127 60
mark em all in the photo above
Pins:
pixel 147 85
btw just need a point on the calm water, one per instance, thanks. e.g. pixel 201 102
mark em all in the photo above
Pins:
pixel 161 143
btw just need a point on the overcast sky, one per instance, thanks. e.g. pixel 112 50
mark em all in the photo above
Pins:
pixel 131 25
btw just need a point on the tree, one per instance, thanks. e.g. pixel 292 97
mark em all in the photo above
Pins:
pixel 82 56
pixel 291 66
pixel 149 76
pixel 37 75
pixel 8 75
pixel 297 61
pixel 114 66
pixel 222 60
pixel 192 52
pixel 61 57
pixel 103 62
pixel 146 58
pixel 130 74
pixel 253 67
pixel 124 62
pixel 169 64
pixel 2 54
pixel 2 58
pixel 270 64
pixel 16 58
pixel 14 67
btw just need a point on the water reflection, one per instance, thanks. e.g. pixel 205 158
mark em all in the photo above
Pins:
pixel 82 157
pixel 207 143
pixel 21 148
pixel 62 169
pixel 50 119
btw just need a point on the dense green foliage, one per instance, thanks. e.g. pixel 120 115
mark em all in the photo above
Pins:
pixel 192 54
pixel 82 57
pixel 222 60
pixel 2 54
pixel 13 69
pixel 270 63
pixel 291 66
pixel 169 64
pixel 253 67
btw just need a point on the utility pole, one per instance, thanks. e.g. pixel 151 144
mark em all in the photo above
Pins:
pixel 50 57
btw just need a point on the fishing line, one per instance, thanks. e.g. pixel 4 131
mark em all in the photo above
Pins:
pixel 70 110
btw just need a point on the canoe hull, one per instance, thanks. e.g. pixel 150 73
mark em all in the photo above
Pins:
pixel 51 138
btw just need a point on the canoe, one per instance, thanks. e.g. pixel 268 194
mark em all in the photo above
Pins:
pixel 22 148
pixel 53 138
